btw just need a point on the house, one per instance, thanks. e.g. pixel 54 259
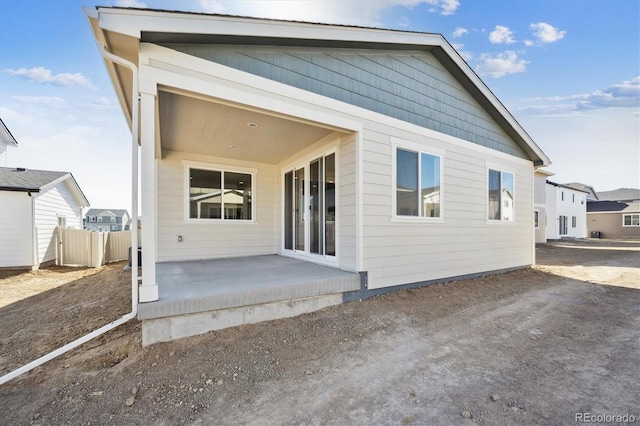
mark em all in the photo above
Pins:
pixel 32 204
pixel 6 140
pixel 540 218
pixel 616 215
pixel 592 195
pixel 106 220
pixel 374 158
pixel 566 211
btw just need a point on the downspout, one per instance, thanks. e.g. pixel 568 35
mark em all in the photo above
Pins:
pixel 108 56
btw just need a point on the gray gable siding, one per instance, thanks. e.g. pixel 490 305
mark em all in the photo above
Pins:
pixel 410 86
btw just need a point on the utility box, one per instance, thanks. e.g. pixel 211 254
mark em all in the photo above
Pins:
pixel 595 234
pixel 139 257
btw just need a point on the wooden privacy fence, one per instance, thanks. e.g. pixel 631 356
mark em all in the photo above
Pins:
pixel 79 247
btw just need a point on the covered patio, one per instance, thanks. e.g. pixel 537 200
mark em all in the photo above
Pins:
pixel 212 285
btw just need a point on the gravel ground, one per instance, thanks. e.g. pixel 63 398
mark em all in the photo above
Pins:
pixel 534 346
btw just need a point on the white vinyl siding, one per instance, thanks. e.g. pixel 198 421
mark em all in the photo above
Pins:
pixel 214 239
pixel 398 253
pixel 346 203
pixel 16 225
pixel 49 205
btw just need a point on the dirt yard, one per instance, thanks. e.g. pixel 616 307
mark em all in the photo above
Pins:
pixel 533 346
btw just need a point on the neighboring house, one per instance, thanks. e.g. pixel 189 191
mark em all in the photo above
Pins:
pixel 32 204
pixel 592 195
pixel 370 151
pixel 106 220
pixel 566 212
pixel 6 140
pixel 540 205
pixel 616 216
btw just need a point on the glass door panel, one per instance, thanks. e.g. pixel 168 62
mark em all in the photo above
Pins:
pixel 330 205
pixel 299 210
pixel 316 211
pixel 310 207
pixel 288 210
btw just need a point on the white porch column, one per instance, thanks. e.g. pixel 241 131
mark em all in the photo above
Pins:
pixel 149 288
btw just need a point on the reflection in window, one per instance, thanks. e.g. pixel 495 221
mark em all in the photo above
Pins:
pixel 209 198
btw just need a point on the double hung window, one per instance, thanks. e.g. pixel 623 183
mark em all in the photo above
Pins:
pixel 418 189
pixel 501 196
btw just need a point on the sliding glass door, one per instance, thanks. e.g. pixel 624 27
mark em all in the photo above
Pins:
pixel 310 207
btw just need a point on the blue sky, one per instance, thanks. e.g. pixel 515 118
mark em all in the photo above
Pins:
pixel 569 72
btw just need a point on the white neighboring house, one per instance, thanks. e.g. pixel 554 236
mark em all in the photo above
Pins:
pixel 32 204
pixel 540 205
pixel 6 140
pixel 566 211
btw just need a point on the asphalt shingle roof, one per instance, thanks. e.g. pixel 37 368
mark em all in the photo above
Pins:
pixel 620 194
pixel 611 206
pixel 17 179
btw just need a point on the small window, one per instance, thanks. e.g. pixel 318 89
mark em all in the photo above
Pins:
pixel 113 219
pixel 418 186
pixel 631 220
pixel 561 195
pixel 573 221
pixel 501 196
pixel 218 194
pixel 114 227
pixel 99 218
pixel 62 221
pixel 92 218
pixel 573 198
pixel 535 218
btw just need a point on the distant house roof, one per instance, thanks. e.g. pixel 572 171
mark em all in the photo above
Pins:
pixel 107 212
pixel 27 180
pixel 6 135
pixel 591 192
pixel 620 194
pixel 561 185
pixel 612 206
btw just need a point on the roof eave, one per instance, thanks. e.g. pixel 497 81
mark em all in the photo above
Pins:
pixel 134 22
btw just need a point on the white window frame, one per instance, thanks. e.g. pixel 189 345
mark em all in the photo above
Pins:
pixel 406 145
pixel 113 219
pixel 501 169
pixel 216 167
pixel 631 215
pixel 99 219
pixel 114 227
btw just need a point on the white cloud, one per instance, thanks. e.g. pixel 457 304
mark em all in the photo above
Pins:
pixel 10 117
pixel 349 12
pixel 545 33
pixel 404 22
pixel 449 7
pixel 459 32
pixel 44 75
pixel 131 3
pixel 501 35
pixel 502 64
pixel 467 56
pixel 621 95
pixel 46 101
pixel 529 43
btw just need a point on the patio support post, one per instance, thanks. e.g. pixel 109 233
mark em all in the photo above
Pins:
pixel 149 287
